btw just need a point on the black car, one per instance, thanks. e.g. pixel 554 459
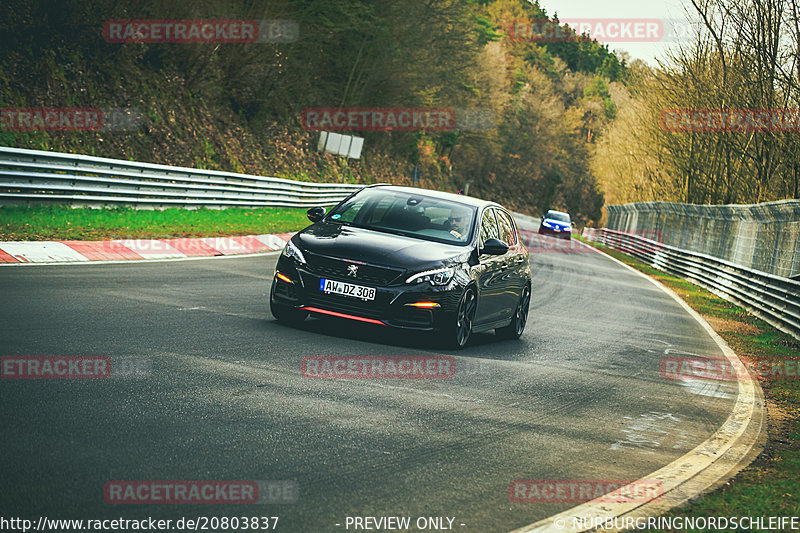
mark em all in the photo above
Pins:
pixel 408 258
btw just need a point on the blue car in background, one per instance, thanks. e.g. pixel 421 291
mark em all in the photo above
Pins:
pixel 556 223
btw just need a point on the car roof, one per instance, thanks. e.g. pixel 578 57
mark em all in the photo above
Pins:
pixel 469 200
pixel 557 212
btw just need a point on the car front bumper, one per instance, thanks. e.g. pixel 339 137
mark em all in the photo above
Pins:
pixel 564 234
pixel 391 306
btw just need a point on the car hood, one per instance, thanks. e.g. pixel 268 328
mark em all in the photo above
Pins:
pixel 376 247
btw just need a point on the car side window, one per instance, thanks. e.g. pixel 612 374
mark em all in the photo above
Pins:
pixel 508 233
pixel 488 226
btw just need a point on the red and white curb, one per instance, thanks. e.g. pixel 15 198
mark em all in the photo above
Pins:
pixel 135 249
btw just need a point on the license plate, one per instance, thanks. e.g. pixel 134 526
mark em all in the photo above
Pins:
pixel 347 289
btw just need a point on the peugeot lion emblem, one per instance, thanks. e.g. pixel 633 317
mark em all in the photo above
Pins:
pixel 352 270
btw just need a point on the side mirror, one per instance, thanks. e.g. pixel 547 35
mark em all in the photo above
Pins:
pixel 494 247
pixel 315 214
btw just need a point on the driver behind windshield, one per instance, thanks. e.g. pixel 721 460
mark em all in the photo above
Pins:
pixel 457 221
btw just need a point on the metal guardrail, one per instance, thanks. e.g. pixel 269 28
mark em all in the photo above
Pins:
pixel 37 176
pixel 773 298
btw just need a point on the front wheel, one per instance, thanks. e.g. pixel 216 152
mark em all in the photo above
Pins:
pixel 517 326
pixel 461 328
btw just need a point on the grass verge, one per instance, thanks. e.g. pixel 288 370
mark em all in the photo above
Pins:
pixel 39 223
pixel 770 486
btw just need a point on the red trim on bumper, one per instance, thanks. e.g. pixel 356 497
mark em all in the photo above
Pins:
pixel 342 315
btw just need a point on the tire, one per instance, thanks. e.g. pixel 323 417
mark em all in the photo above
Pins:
pixel 285 314
pixel 460 330
pixel 519 320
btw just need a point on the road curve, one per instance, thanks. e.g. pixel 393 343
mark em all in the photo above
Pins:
pixel 221 396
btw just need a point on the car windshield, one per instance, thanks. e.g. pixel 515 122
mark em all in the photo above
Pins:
pixel 407 213
pixel 560 217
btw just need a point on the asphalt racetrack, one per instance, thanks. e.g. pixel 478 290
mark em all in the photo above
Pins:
pixel 217 394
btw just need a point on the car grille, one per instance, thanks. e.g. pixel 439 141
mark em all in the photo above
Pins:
pixel 337 268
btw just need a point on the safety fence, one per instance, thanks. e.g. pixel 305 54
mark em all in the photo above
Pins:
pixel 764 237
pixel 40 176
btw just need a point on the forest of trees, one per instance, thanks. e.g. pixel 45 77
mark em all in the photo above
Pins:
pixel 571 125
pixel 745 55
pixel 237 106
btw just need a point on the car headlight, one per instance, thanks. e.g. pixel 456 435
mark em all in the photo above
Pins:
pixel 293 252
pixel 441 276
pixel 546 224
